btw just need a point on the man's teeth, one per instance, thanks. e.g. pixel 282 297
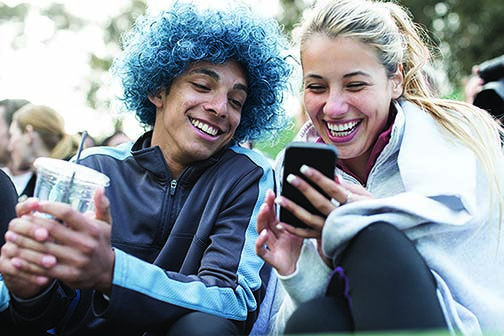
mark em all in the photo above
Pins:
pixel 341 130
pixel 204 127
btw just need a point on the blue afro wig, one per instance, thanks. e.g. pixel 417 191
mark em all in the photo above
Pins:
pixel 161 47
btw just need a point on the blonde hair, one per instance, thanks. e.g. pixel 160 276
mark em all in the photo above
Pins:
pixel 398 41
pixel 50 125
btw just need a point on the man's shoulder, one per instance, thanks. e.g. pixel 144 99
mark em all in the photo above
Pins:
pixel 254 156
pixel 119 152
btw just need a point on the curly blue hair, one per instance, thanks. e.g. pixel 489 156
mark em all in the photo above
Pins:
pixel 161 47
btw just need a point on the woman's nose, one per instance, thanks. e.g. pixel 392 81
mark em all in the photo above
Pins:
pixel 336 104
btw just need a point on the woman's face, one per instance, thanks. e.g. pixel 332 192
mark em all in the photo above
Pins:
pixel 22 154
pixel 347 93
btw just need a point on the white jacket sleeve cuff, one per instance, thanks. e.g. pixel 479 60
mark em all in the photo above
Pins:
pixel 310 278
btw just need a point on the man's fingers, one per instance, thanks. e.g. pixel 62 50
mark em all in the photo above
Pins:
pixel 102 205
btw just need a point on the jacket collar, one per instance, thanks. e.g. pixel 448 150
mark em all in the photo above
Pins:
pixel 151 158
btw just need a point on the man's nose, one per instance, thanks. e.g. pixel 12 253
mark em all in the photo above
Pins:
pixel 218 104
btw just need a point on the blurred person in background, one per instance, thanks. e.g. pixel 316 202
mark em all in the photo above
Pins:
pixel 485 87
pixel 89 141
pixel 7 109
pixel 116 138
pixel 38 131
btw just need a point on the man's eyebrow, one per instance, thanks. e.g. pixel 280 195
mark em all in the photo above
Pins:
pixel 239 86
pixel 216 77
pixel 205 71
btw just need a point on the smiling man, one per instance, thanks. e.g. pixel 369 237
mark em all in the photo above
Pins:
pixel 170 250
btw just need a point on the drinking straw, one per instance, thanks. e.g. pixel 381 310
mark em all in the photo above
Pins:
pixel 66 195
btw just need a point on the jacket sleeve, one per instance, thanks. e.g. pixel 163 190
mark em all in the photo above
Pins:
pixel 42 312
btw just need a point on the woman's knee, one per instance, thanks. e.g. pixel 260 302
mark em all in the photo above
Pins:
pixel 322 314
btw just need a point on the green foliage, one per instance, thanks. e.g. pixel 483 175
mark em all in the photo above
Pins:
pixel 61 18
pixel 292 11
pixel 271 147
pixel 468 32
pixel 9 14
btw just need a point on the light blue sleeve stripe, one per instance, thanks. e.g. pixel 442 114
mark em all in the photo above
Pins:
pixel 119 152
pixel 140 276
pixel 250 263
pixel 4 295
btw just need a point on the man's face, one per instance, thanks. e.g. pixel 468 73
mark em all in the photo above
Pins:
pixel 200 113
pixel 4 139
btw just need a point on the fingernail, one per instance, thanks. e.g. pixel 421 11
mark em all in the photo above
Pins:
pixel 16 262
pixel 279 226
pixel 304 169
pixel 291 178
pixel 10 236
pixel 40 234
pixel 42 280
pixel 48 260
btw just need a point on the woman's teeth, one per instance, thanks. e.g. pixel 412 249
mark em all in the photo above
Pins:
pixel 341 130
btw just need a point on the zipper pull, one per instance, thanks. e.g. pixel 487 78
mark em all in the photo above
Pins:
pixel 173 186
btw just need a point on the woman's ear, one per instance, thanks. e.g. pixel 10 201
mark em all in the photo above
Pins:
pixel 29 133
pixel 397 82
pixel 157 99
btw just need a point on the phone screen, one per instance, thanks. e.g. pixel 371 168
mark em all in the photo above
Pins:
pixel 316 155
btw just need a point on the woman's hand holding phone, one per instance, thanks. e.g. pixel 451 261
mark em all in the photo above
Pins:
pixel 310 190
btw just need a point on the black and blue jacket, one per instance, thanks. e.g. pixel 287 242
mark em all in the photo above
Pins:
pixel 180 245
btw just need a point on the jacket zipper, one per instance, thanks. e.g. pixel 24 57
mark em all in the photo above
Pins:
pixel 173 186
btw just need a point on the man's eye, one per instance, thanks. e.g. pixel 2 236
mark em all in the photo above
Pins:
pixel 238 104
pixel 201 86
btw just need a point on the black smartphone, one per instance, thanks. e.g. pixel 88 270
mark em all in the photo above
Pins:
pixel 316 155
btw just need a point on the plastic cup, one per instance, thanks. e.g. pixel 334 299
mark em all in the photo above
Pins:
pixel 67 182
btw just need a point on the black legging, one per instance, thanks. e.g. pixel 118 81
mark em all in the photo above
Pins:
pixel 203 324
pixel 381 283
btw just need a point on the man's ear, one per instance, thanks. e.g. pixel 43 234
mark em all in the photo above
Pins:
pixel 157 98
pixel 397 83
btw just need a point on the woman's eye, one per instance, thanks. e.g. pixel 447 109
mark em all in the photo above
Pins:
pixel 356 86
pixel 314 87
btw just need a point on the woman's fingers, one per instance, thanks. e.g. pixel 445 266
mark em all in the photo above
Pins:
pixel 315 222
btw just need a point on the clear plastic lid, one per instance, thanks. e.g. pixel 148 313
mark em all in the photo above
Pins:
pixel 64 170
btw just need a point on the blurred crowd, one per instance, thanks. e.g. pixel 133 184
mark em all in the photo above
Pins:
pixel 29 131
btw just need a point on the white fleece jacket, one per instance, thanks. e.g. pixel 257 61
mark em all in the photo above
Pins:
pixel 433 189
